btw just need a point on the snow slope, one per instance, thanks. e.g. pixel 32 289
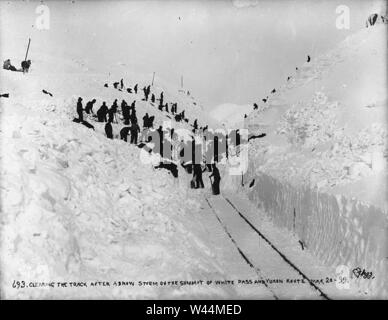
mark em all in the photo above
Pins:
pixel 328 123
pixel 231 115
pixel 322 168
pixel 79 207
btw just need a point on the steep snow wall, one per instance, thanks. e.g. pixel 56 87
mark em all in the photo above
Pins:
pixel 321 181
pixel 338 230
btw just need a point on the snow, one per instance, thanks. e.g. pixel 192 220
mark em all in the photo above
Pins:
pixel 79 207
pixel 325 155
pixel 230 115
pixel 328 123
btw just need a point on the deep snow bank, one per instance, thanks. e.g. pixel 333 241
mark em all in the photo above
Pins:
pixel 76 206
pixel 325 156
pixel 336 229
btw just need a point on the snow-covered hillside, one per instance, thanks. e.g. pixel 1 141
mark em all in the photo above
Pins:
pixel 321 171
pixel 327 127
pixel 77 206
pixel 231 115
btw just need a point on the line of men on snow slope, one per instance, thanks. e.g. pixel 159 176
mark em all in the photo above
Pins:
pixel 191 149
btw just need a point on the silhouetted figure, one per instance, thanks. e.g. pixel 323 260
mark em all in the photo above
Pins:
pixel 159 148
pixel 273 91
pixel 133 114
pixel 166 107
pixel 124 133
pixel 80 109
pixel 195 124
pixel 146 91
pixel 122 84
pixel 89 106
pixel 112 111
pixel 161 99
pixel 7 65
pixel 129 90
pixel 174 108
pixel 308 58
pixel 197 176
pixel 151 122
pixel 371 19
pixel 115 85
pixel 125 109
pixel 108 130
pixel 135 88
pixel 135 129
pixel 106 85
pixel 288 78
pixel 264 100
pixel 146 120
pixel 153 98
pixel 255 106
pixel 26 65
pixel 216 179
pixel 245 116
pixel 102 112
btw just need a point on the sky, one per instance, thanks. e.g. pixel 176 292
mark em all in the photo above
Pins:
pixel 226 51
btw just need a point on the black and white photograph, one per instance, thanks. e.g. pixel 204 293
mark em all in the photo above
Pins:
pixel 193 150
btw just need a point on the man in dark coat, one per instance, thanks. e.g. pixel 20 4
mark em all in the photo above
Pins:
pixel 135 129
pixel 112 111
pixel 161 99
pixel 146 120
pixel 216 179
pixel 109 130
pixel 89 106
pixel 151 122
pixel 80 110
pixel 197 176
pixel 26 65
pixel 101 113
pixel 124 133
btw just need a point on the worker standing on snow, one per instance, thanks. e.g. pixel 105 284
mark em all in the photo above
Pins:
pixel 135 129
pixel 80 110
pixel 101 113
pixel 109 130
pixel 197 176
pixel 146 120
pixel 216 179
pixel 112 111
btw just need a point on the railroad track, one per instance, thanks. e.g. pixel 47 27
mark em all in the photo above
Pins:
pixel 292 265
